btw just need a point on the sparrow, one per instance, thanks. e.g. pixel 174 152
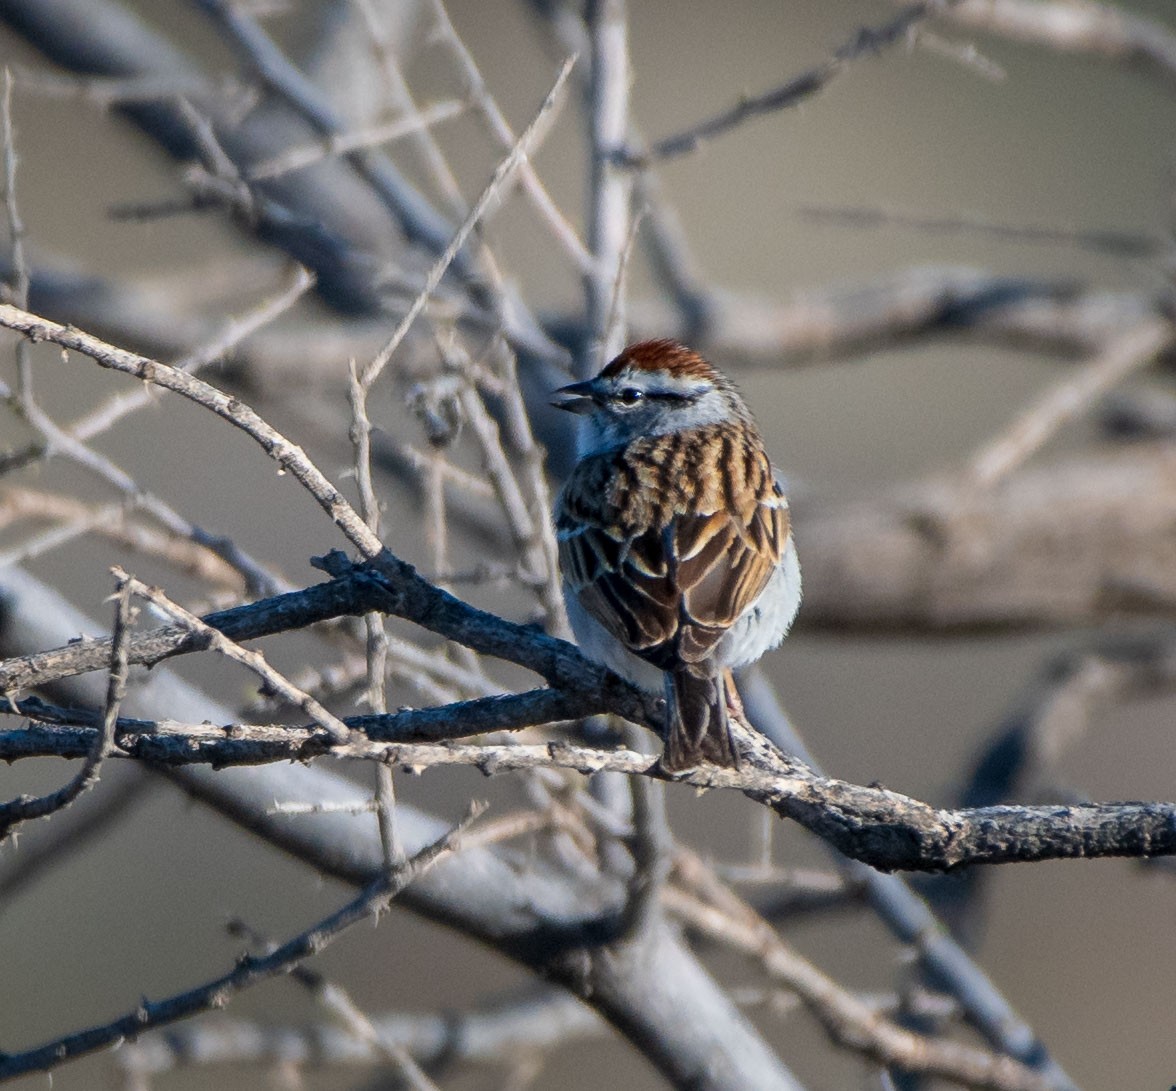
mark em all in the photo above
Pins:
pixel 675 545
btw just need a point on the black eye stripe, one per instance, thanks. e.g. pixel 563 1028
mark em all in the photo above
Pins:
pixel 631 396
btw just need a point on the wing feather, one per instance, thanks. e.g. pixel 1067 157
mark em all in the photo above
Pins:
pixel 670 590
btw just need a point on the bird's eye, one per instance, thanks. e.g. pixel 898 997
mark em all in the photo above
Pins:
pixel 630 395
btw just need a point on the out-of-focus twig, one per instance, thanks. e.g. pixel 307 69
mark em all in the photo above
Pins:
pixel 493 1032
pixel 1064 402
pixel 719 914
pixel 1096 29
pixel 610 187
pixel 502 175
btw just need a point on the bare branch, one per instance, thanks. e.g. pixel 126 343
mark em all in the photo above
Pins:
pixel 885 829
pixel 866 42
pixel 494 1032
pixel 249 971
pixel 306 155
pixel 1097 29
pixel 610 187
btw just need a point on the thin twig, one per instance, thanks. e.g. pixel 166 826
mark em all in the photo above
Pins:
pixel 866 42
pixel 376 645
pixel 254 661
pixel 501 177
pixel 1123 244
pixel 517 425
pixel 396 92
pixel 561 229
pixel 335 144
pixel 1101 30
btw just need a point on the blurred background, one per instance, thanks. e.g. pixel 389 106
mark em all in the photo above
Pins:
pixel 960 125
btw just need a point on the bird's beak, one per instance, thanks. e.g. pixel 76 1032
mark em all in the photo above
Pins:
pixel 577 398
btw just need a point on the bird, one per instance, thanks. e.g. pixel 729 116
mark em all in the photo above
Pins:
pixel 674 537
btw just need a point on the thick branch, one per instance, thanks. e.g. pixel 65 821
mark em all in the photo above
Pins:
pixel 1072 542
pixel 884 829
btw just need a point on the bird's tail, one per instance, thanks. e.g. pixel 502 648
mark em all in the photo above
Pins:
pixel 697 728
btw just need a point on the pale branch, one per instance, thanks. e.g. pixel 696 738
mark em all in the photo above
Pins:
pixel 909 306
pixel 1095 29
pixel 1067 400
pixel 493 1032
pixel 609 187
pixel 866 42
pixel 249 971
pixel 935 557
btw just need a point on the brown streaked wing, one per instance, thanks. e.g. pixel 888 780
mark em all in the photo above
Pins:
pixel 633 597
pixel 727 572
